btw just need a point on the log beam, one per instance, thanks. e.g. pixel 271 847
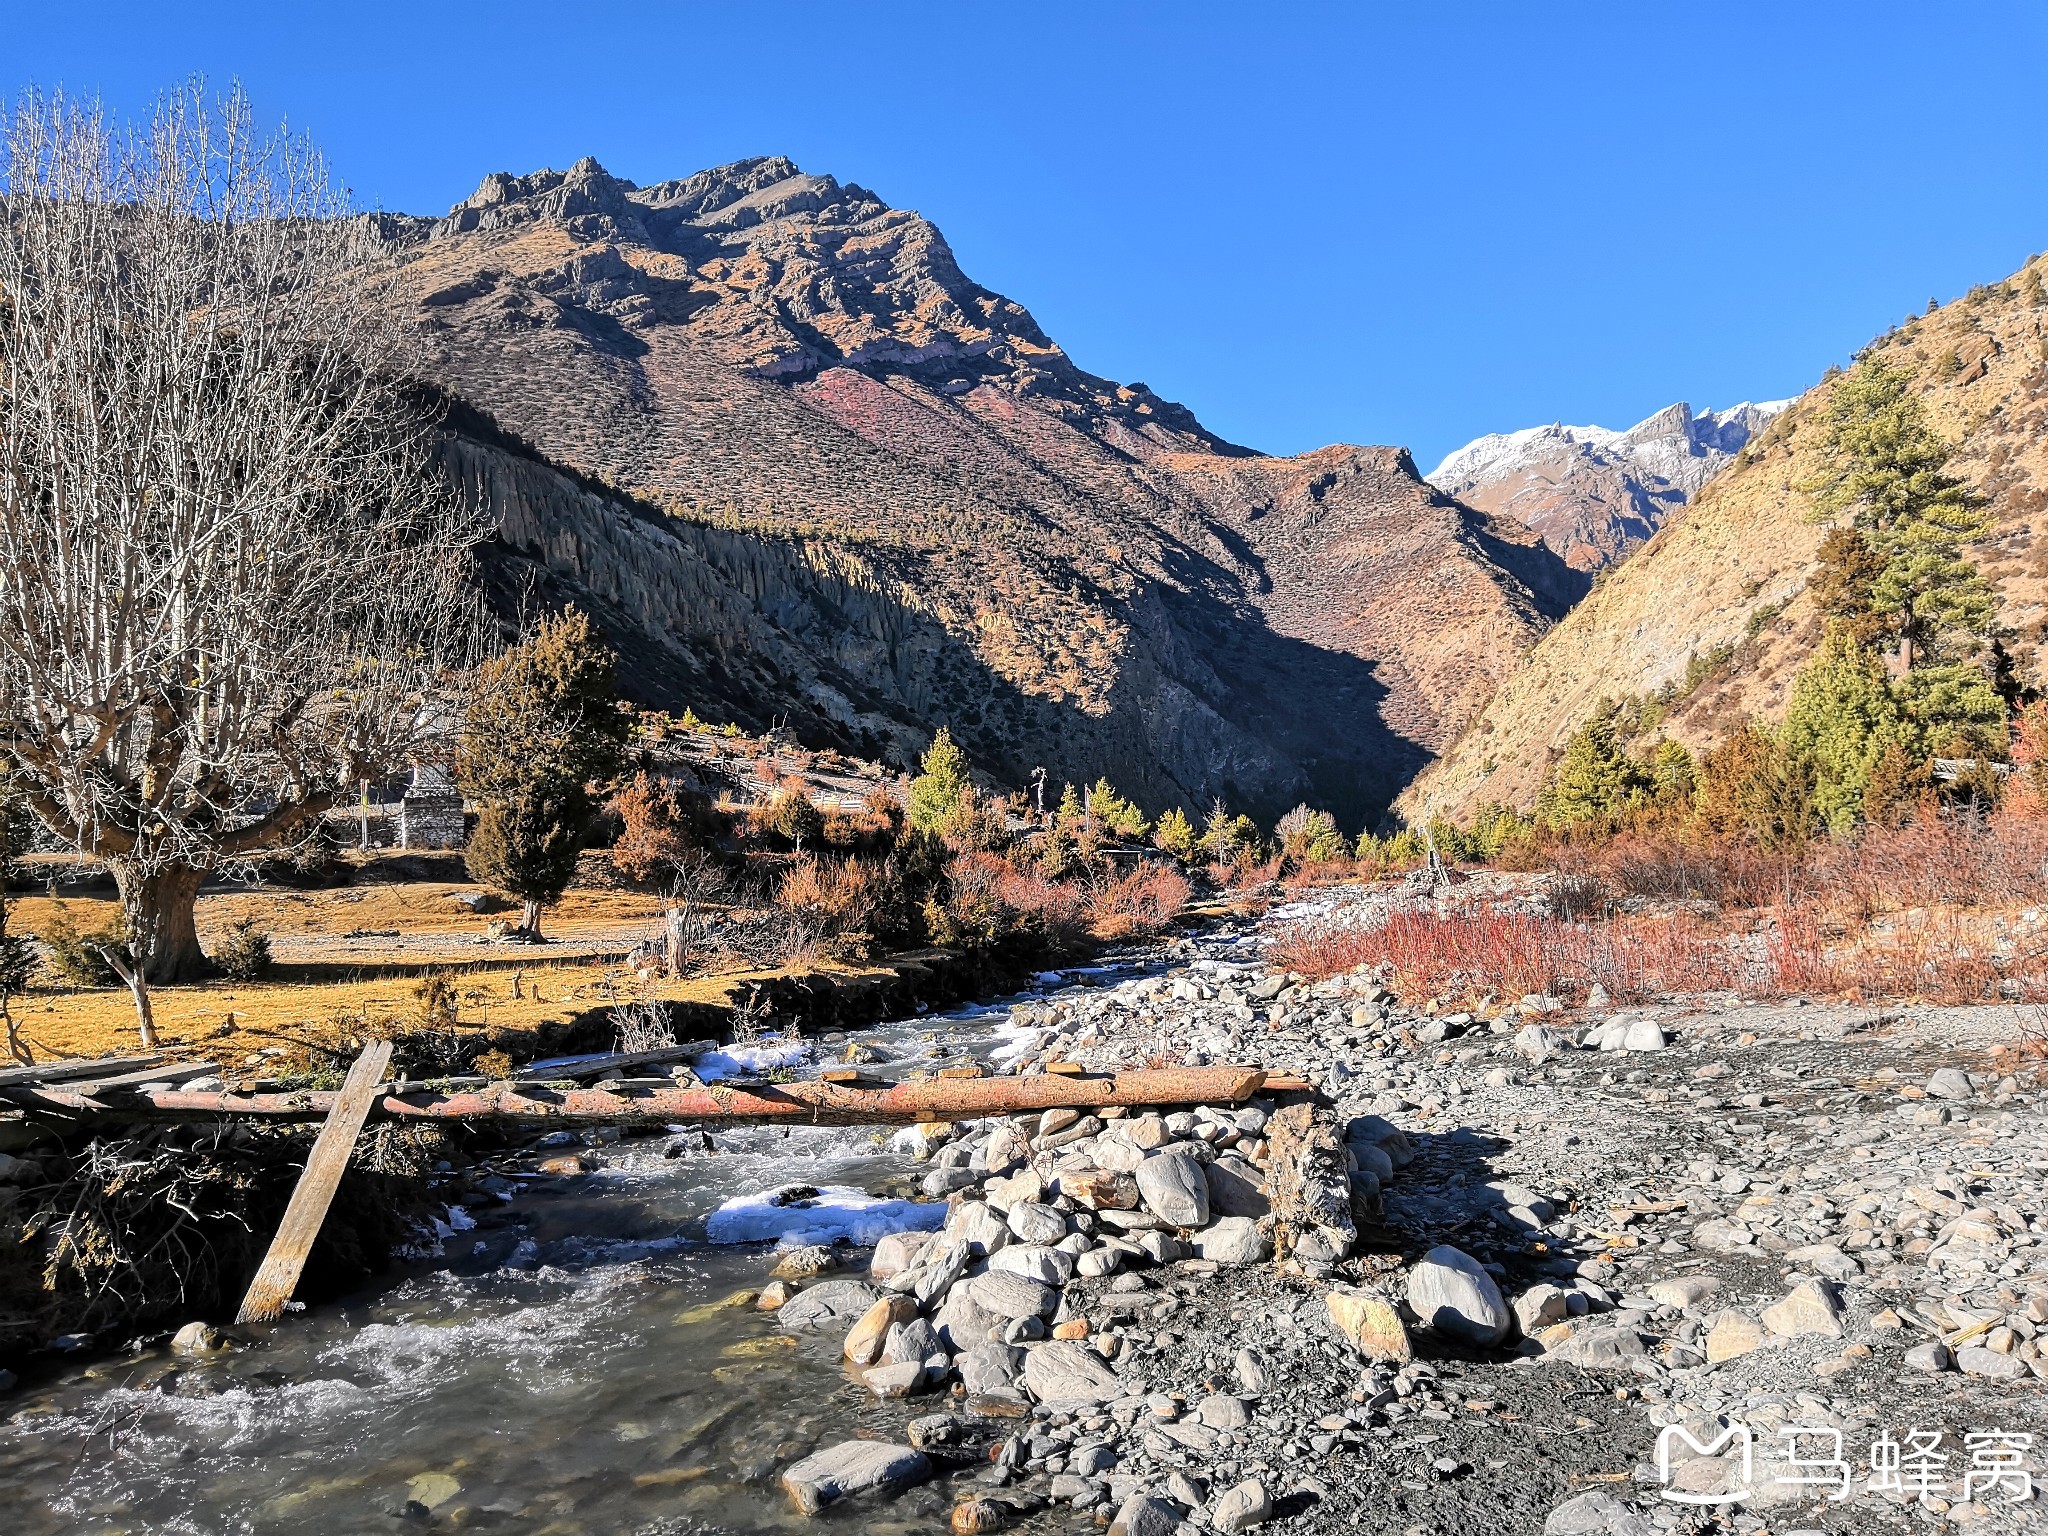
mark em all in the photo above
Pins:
pixel 803 1103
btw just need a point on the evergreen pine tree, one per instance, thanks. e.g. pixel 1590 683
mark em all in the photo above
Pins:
pixel 942 790
pixel 542 737
pixel 1593 783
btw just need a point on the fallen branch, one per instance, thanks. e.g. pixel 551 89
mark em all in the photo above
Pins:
pixel 807 1103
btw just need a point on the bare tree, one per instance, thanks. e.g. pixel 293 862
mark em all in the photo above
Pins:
pixel 233 585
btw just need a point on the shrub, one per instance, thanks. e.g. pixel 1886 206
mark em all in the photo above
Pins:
pixel 1143 902
pixel 74 953
pixel 656 829
pixel 1306 836
pixel 243 953
pixel 788 815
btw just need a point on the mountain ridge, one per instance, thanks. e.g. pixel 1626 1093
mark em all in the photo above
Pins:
pixel 860 492
pixel 1711 619
pixel 1596 493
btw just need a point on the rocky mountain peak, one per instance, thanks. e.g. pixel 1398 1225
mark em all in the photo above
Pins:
pixel 1595 493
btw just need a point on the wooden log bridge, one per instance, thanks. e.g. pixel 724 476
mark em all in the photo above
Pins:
pixel 802 1103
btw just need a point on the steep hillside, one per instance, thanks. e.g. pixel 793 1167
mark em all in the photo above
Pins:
pixel 1594 494
pixel 1712 612
pixel 805 468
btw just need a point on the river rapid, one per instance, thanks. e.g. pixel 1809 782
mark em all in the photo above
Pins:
pixel 568 1363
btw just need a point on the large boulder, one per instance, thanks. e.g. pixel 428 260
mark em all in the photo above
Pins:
pixel 1175 1189
pixel 1010 1296
pixel 1450 1293
pixel 1066 1375
pixel 1233 1240
pixel 855 1466
pixel 829 1306
pixel 1236 1188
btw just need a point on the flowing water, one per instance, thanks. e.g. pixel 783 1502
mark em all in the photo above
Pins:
pixel 566 1367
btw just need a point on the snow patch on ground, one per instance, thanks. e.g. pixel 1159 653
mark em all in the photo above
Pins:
pixel 740 1060
pixel 798 1215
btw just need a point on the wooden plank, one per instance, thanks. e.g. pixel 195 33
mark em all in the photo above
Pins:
pixel 278 1276
pixel 62 1071
pixel 577 1071
pixel 158 1074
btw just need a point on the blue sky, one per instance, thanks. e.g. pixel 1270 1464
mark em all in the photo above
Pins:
pixel 1311 223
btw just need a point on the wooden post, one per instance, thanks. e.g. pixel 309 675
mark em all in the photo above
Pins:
pixel 279 1275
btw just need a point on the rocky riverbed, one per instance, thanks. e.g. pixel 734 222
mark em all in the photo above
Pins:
pixel 1473 1284
pixel 1466 1284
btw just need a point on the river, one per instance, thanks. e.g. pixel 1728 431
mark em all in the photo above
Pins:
pixel 568 1365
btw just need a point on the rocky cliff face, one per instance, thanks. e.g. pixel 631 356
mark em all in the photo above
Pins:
pixel 1713 611
pixel 1595 494
pixel 803 467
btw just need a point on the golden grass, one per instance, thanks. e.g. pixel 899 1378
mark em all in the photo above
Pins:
pixel 323 976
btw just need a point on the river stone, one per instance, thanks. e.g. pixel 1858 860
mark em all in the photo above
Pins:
pixel 980 1230
pixel 1931 1356
pixel 1219 1410
pixel 1950 1083
pixel 1974 1360
pixel 1236 1188
pixel 960 1438
pixel 1031 1222
pixel 1024 1184
pixel 1733 1334
pixel 1233 1240
pixel 1147 1132
pixel 898 1379
pixel 855 1466
pixel 941 1264
pixel 1118 1154
pixel 1242 1507
pixel 896 1253
pixel 1451 1294
pixel 1175 1189
pixel 1143 1515
pixel 1595 1514
pixel 1683 1293
pixel 1539 1307
pixel 962 1324
pixel 1100 1190
pixel 805 1263
pixel 915 1343
pixel 1810 1309
pixel 1063 1374
pixel 1034 1261
pixel 1371 1323
pixel 989 1370
pixel 1010 1296
pixel 1643 1035
pixel 833 1304
pixel 864 1341
pixel 196 1339
pixel 1596 1349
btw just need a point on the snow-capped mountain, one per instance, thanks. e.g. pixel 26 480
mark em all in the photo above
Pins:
pixel 1594 493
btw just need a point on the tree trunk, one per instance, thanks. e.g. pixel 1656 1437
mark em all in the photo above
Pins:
pixel 159 907
pixel 529 917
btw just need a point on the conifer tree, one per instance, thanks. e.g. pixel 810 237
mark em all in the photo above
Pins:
pixel 541 739
pixel 1887 472
pixel 1594 782
pixel 942 790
